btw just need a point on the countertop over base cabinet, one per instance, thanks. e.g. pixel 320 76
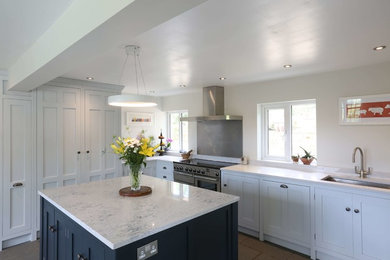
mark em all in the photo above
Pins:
pixel 351 225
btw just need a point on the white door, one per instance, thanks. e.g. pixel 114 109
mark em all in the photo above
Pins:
pixel 334 227
pixel 272 208
pixel 17 168
pixel 248 190
pixel 297 213
pixel 250 197
pixel 371 227
pixel 101 125
pixel 59 137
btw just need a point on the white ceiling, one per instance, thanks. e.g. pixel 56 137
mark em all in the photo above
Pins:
pixel 21 24
pixel 249 41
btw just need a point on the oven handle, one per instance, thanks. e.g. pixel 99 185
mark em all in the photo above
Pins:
pixel 185 174
pixel 205 178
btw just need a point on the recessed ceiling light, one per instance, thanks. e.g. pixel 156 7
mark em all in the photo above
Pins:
pixel 89 78
pixel 379 48
pixel 222 78
pixel 182 86
pixel 287 66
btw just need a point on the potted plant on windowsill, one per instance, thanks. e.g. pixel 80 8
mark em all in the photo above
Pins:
pixel 307 158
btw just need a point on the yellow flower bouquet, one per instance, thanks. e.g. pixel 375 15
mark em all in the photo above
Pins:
pixel 133 151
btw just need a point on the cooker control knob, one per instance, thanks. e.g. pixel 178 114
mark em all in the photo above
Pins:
pixel 186 169
pixel 203 172
pixel 198 171
pixel 190 170
pixel 217 174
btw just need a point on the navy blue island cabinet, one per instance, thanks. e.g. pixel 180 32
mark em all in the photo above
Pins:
pixel 213 236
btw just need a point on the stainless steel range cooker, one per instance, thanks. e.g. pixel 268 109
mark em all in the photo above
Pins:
pixel 201 173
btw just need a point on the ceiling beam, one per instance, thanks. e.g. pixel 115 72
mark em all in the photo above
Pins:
pixel 85 30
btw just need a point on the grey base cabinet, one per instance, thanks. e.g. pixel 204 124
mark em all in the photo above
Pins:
pixel 208 237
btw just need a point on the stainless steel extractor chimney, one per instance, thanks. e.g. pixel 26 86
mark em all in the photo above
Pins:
pixel 213 106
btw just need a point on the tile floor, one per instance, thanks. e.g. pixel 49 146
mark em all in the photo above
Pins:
pixel 249 248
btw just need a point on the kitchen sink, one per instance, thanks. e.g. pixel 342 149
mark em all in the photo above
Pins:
pixel 357 182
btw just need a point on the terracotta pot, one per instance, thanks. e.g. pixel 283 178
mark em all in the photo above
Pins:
pixel 306 161
pixel 295 159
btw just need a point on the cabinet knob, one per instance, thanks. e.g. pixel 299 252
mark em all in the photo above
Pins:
pixel 164 177
pixel 78 152
pixel 52 228
pixel 347 209
pixel 284 186
pixel 164 168
pixel 356 211
pixel 17 184
pixel 225 185
pixel 81 257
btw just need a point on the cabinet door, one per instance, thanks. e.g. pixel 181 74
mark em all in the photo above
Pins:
pixel 101 124
pixel 150 168
pixel 273 208
pixel 164 170
pixel 371 228
pixel 17 168
pixel 248 190
pixel 297 214
pixel 334 214
pixel 59 137
pixel 47 242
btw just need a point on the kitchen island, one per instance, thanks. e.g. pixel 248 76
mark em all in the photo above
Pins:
pixel 177 221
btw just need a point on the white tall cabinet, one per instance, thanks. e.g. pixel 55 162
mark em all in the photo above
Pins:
pixel 17 173
pixel 56 135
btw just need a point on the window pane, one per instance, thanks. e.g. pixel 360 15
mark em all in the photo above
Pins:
pixel 276 132
pixel 175 130
pixel 303 129
pixel 185 132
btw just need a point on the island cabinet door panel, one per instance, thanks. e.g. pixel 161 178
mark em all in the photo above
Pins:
pixel 333 221
pixel 17 168
pixel 48 236
pixel 371 227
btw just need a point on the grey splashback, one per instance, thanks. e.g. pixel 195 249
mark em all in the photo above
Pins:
pixel 220 138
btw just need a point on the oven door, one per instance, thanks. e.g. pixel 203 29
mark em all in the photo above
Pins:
pixel 208 183
pixel 185 178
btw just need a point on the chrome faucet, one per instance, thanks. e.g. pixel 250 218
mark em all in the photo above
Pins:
pixel 360 170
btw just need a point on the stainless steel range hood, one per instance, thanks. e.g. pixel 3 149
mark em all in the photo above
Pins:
pixel 213 106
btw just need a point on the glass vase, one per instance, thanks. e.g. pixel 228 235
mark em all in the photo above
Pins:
pixel 135 174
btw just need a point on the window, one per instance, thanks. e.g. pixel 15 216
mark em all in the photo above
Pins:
pixel 178 131
pixel 285 127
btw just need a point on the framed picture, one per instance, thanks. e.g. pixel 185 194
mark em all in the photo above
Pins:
pixel 365 110
pixel 139 119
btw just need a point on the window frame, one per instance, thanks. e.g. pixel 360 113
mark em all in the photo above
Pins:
pixel 263 131
pixel 181 141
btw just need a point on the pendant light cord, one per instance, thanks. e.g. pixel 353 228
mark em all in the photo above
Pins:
pixel 142 75
pixel 123 69
pixel 135 67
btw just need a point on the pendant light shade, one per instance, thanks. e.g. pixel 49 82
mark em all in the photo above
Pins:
pixel 130 100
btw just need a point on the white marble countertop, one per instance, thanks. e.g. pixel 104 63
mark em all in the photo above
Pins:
pixel 118 221
pixel 311 177
pixel 168 158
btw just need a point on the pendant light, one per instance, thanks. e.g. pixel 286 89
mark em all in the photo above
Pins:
pixel 128 100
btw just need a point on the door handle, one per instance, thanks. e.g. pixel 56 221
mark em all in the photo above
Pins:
pixel 17 184
pixel 52 228
pixel 81 257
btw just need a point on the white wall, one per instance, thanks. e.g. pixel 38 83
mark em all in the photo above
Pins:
pixel 334 142
pixel 159 122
